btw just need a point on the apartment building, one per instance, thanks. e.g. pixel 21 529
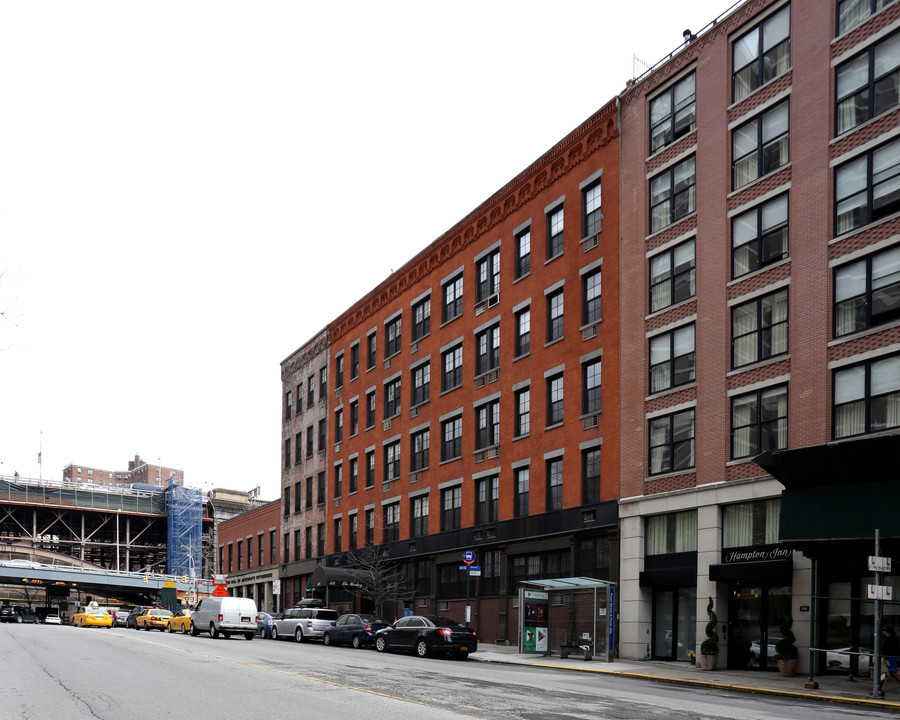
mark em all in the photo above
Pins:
pixel 466 409
pixel 760 300
pixel 248 555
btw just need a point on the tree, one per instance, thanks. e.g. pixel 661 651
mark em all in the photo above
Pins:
pixel 382 579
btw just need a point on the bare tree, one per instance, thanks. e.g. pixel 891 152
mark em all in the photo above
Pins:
pixel 382 579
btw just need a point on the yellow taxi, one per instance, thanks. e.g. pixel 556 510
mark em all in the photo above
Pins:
pixel 180 621
pixel 153 618
pixel 93 615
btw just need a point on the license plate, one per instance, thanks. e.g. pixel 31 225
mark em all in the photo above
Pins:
pixel 245 619
pixel 463 648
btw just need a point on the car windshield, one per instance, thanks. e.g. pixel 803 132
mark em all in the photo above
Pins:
pixel 373 619
pixel 444 621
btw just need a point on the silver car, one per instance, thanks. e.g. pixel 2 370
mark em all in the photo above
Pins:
pixel 303 623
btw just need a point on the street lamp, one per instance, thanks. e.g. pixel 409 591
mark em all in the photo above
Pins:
pixel 118 513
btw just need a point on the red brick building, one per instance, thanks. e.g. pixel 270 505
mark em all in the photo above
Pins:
pixel 249 557
pixel 760 267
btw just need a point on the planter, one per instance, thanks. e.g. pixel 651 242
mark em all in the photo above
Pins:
pixel 788 667
pixel 707 662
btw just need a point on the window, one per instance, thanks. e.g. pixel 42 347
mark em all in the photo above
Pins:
pixel 421 442
pixel 593 212
pixel 451 363
pixel 338 481
pixel 868 85
pixel 393 336
pixel 339 371
pixel 323 434
pixel 555 232
pixel 590 290
pixel 590 476
pixel 240 556
pixel 320 489
pixel 751 524
pixel 249 552
pixel 487 424
pixel 523 253
pixel 487 499
pixel 392 461
pixel 673 114
pixel 672 359
pixel 286 550
pixel 309 493
pixel 852 12
pixel 867 188
pixel 320 539
pixel 762 54
pixel 759 422
pixel 354 361
pixel 323 383
pixel 760 145
pixel 354 528
pixel 554 484
pixel 451 508
pixel 273 559
pixel 523 412
pixel 354 418
pixel 591 377
pixel 452 293
pixel 672 276
pixel 297 438
pixel 759 237
pixel 298 495
pixel 391 529
pixel 487 343
pixel 421 319
pixel 555 311
pixel 419 512
pixel 288 405
pixel 338 531
pixel 370 468
pixel 672 194
pixel 392 398
pixel 867 292
pixel 311 391
pixel 523 332
pixel 521 502
pixel 370 409
pixel 370 351
pixel 488 272
pixel 421 384
pixel 451 438
pixel 354 475
pixel 555 399
pixel 672 533
pixel 299 395
pixel 309 441
pixel 286 505
pixel 867 397
pixel 370 527
pixel 287 453
pixel 759 329
pixel 338 425
pixel 672 442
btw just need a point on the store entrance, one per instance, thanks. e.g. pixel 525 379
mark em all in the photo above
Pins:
pixel 674 623
pixel 755 615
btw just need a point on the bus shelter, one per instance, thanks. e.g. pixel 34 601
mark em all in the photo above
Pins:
pixel 573 615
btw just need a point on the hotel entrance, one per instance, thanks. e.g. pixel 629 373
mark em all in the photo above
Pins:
pixel 755 615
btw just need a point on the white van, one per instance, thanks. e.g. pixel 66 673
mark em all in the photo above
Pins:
pixel 226 615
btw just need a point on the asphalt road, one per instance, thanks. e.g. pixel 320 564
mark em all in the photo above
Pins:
pixel 49 672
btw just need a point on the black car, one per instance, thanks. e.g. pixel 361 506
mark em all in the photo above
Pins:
pixel 430 635
pixel 354 629
pixel 18 614
pixel 131 620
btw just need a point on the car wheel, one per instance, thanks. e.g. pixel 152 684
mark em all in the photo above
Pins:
pixel 226 635
pixel 380 644
pixel 194 631
pixel 274 633
pixel 463 656
pixel 298 635
pixel 357 643
pixel 422 648
pixel 170 628
pixel 19 619
pixel 146 627
pixel 184 630
pixel 326 639
pixel 213 631
pixel 249 636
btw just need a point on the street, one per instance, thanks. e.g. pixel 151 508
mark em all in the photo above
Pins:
pixel 118 674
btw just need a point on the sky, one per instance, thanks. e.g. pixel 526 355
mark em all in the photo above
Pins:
pixel 190 191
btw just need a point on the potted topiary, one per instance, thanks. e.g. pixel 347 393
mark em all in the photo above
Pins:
pixel 709 648
pixel 785 650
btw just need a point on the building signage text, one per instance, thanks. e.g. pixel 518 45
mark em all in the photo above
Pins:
pixel 756 554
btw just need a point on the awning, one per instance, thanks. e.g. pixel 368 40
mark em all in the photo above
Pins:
pixel 330 577
pixel 747 571
pixel 571 583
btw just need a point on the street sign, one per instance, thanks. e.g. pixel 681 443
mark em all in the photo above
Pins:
pixel 475 573
pixel 469 557
pixel 879 564
pixel 879 592
pixel 473 568
pixel 220 591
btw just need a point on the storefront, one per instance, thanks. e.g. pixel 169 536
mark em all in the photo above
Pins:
pixel 673 580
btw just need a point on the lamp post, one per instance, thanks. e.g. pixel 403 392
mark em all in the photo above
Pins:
pixel 118 512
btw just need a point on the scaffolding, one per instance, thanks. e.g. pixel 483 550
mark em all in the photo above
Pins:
pixel 185 519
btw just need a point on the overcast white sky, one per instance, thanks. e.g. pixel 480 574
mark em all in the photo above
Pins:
pixel 189 191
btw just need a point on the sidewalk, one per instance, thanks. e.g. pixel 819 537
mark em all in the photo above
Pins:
pixel 833 688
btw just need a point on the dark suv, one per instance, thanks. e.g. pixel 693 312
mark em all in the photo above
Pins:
pixel 18 614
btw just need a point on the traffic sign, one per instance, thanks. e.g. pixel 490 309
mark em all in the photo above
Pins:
pixel 469 557
pixel 220 591
pixel 879 564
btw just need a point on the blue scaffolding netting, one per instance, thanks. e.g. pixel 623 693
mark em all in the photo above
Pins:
pixel 185 520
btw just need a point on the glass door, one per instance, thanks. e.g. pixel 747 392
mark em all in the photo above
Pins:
pixel 674 623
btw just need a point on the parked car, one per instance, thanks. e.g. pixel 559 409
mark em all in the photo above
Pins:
pixel 226 616
pixel 120 618
pixel 303 623
pixel 52 619
pixel 18 614
pixel 353 629
pixel 92 616
pixel 839 659
pixel 264 622
pixel 153 619
pixel 131 620
pixel 427 636
pixel 180 621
